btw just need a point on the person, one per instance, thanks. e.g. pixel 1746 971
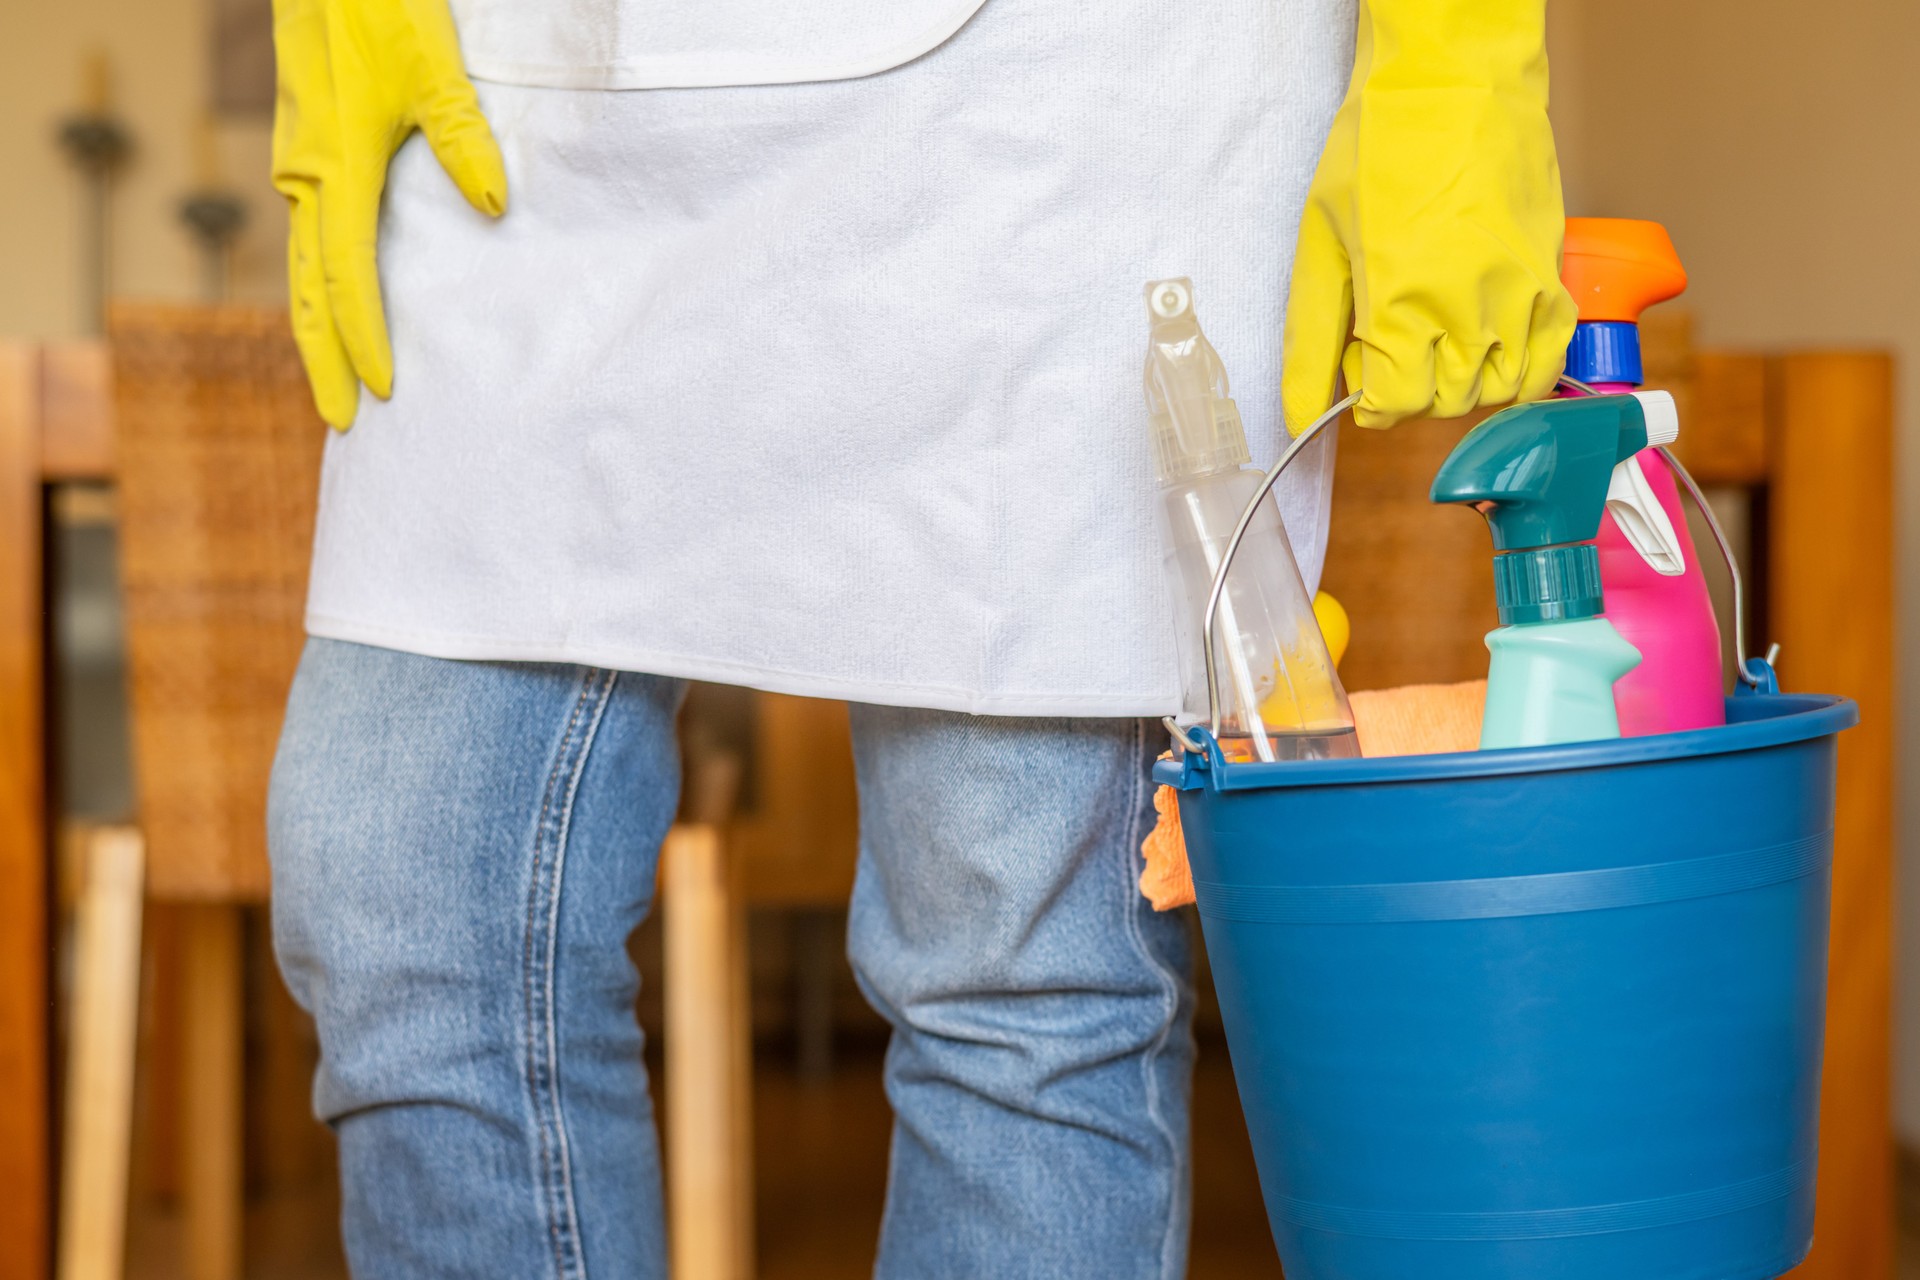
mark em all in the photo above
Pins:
pixel 797 347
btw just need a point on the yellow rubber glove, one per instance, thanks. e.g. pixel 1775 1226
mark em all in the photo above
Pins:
pixel 1434 221
pixel 356 78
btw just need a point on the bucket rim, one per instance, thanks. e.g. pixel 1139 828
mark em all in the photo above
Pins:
pixel 1782 718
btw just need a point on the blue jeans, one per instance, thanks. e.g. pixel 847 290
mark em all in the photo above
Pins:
pixel 461 849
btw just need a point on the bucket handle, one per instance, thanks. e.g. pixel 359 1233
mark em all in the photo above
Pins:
pixel 1757 680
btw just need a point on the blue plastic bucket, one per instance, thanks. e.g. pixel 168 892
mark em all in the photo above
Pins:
pixel 1514 1015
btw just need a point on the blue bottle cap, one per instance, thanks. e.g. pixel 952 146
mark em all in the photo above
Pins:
pixel 1605 351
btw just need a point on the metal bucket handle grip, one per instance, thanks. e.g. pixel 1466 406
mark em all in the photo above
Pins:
pixel 1325 420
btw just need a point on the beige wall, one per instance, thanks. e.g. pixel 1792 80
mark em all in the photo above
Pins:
pixel 157 52
pixel 1780 142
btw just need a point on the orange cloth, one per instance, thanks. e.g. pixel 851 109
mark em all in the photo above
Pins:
pixel 1419 719
pixel 1167 881
pixel 1413 720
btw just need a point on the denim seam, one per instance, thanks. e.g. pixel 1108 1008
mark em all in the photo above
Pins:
pixel 538 966
pixel 1170 1267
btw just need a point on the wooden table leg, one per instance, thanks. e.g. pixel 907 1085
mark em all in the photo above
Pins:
pixel 740 1052
pixel 212 1085
pixel 1830 586
pixel 26 1225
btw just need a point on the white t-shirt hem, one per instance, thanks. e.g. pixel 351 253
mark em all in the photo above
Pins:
pixel 464 648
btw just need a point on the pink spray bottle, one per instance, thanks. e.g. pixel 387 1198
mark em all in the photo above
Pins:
pixel 1656 594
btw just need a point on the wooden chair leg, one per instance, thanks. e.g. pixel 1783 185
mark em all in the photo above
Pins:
pixel 100 1058
pixel 740 1112
pixel 211 1048
pixel 709 1172
pixel 159 1102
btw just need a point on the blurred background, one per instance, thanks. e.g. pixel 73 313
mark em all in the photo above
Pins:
pixel 1775 141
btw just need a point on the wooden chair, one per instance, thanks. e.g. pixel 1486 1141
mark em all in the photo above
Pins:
pixel 216 459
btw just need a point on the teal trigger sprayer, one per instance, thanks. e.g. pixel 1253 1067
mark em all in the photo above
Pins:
pixel 1539 473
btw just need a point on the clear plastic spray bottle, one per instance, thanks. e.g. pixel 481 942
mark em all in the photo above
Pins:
pixel 1279 695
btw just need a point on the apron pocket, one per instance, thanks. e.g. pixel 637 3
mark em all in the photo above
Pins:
pixel 685 44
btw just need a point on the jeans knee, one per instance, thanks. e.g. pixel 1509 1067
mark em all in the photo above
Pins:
pixel 399 965
pixel 328 939
pixel 1019 1027
pixel 307 847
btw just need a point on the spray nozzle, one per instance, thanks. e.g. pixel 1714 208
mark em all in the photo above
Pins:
pixel 1541 474
pixel 1196 425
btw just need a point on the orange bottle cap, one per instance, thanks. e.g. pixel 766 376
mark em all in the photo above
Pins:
pixel 1615 268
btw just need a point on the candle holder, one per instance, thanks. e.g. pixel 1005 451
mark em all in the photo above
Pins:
pixel 95 142
pixel 98 144
pixel 215 218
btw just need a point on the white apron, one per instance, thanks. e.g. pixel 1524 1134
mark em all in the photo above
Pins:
pixel 826 385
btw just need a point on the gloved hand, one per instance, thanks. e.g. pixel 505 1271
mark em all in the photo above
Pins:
pixel 1434 222
pixel 356 78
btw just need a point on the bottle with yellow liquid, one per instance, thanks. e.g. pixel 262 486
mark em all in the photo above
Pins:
pixel 1280 697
